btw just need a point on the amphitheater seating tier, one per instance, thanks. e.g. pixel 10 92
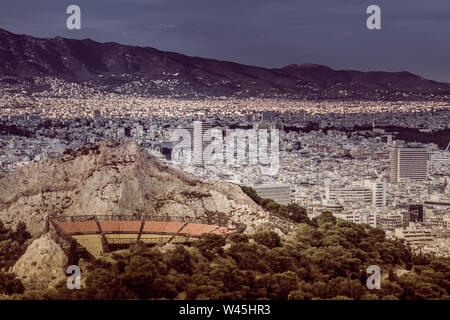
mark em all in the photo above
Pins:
pixel 196 229
pixel 117 233
pixel 79 227
pixel 162 227
pixel 120 226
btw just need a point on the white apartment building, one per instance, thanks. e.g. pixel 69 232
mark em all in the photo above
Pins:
pixel 348 194
pixel 373 193
pixel 414 236
pixel 350 217
pixel 441 157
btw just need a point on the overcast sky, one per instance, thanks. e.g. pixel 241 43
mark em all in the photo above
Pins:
pixel 415 34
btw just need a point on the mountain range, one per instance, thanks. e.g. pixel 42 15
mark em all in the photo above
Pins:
pixel 114 67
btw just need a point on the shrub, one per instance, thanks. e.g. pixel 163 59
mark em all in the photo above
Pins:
pixel 9 284
pixel 268 238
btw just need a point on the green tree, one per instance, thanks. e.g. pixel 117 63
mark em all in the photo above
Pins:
pixel 279 285
pixel 180 260
pixel 268 238
pixel 9 284
pixel 210 245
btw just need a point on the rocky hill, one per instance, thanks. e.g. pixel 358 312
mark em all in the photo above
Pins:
pixel 42 265
pixel 112 178
pixel 112 67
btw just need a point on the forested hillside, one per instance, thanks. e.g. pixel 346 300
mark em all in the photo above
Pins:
pixel 326 259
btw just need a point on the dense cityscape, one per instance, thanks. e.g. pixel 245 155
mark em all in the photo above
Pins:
pixel 217 159
pixel 336 156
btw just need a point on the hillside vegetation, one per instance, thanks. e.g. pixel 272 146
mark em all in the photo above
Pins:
pixel 291 211
pixel 13 244
pixel 326 259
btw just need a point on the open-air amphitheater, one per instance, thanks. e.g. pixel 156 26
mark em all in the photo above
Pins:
pixel 96 235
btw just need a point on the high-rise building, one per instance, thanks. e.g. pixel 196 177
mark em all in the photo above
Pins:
pixel 202 137
pixel 409 163
pixel 379 191
pixel 416 212
pixel 302 116
pixel 280 193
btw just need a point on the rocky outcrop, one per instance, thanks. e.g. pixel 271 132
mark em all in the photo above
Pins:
pixel 119 178
pixel 42 265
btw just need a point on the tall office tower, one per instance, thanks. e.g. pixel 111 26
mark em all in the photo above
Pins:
pixel 206 133
pixel 280 193
pixel 197 158
pixel 409 163
pixel 202 137
pixel 302 116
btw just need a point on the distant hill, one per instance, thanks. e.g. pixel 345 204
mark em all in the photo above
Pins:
pixel 148 71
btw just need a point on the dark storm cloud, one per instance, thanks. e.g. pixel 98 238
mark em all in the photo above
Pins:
pixel 414 35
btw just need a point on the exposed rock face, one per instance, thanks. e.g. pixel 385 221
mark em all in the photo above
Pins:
pixel 112 178
pixel 42 265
